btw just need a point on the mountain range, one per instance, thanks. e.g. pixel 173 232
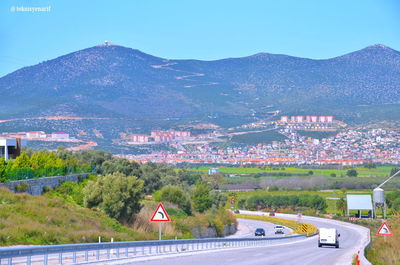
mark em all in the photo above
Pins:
pixel 115 81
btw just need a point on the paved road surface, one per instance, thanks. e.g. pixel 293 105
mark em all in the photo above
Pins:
pixel 247 227
pixel 302 252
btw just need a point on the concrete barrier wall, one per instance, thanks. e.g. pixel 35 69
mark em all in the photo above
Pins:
pixel 36 186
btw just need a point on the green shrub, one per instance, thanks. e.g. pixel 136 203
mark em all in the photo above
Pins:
pixel 273 188
pixel 202 200
pixel 219 226
pixel 216 219
pixel 117 195
pixel 352 173
pixel 46 189
pixel 175 212
pixel 39 164
pixel 219 199
pixel 22 187
pixel 242 203
pixel 396 205
pixel 175 195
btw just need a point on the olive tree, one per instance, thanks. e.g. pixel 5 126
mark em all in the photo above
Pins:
pixel 202 200
pixel 115 194
pixel 341 206
pixel 219 199
pixel 175 195
pixel 352 173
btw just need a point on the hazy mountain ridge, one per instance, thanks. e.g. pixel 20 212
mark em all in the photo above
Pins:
pixel 119 81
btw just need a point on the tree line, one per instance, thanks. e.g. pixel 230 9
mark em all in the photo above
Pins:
pixel 39 164
pixel 267 201
pixel 120 186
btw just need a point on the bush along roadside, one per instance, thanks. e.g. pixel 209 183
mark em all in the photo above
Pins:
pixel 213 223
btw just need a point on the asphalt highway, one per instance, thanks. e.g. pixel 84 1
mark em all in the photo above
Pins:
pixel 247 227
pixel 304 252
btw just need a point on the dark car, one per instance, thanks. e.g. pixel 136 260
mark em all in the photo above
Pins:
pixel 259 232
pixel 236 211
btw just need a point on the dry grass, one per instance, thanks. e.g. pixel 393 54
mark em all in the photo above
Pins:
pixel 213 218
pixel 381 252
pixel 181 225
pixel 142 223
pixel 32 220
pixel 40 220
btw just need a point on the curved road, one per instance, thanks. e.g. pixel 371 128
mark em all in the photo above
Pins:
pixel 304 252
pixel 247 227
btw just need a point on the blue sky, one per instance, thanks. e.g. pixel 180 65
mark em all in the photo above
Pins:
pixel 200 29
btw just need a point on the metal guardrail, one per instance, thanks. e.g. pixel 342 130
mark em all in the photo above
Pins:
pixel 99 252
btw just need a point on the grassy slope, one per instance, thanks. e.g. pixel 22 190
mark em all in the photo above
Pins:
pixel 26 220
pixel 40 220
pixel 381 252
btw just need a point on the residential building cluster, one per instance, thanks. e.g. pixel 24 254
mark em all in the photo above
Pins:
pixel 302 119
pixel 157 136
pixel 350 147
pixel 39 136
pixel 311 123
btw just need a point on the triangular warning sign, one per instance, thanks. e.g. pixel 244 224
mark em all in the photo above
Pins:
pixel 160 215
pixel 384 230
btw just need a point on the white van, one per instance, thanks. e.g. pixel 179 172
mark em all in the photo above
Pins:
pixel 279 229
pixel 328 237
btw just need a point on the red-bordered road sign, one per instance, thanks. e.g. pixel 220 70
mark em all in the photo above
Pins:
pixel 384 230
pixel 160 215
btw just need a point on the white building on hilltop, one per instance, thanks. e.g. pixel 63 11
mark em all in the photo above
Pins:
pixel 60 136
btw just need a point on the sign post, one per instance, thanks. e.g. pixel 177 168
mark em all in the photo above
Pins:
pixel 159 230
pixel 384 231
pixel 160 215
